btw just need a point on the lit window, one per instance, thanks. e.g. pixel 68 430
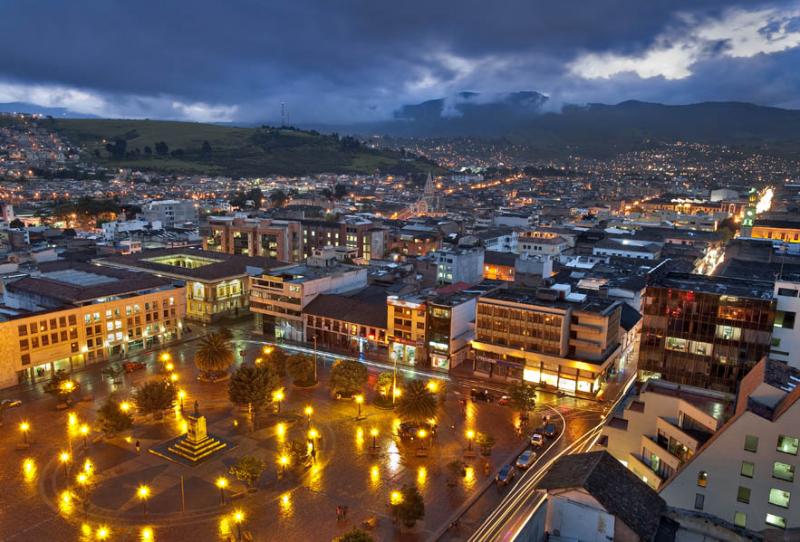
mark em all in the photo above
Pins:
pixel 740 519
pixel 702 480
pixel 783 471
pixel 788 445
pixel 779 497
pixel 775 521
pixel 747 469
pixel 751 443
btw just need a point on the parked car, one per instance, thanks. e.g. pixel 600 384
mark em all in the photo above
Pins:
pixel 505 475
pixel 480 395
pixel 550 430
pixel 526 459
pixel 537 440
pixel 341 394
pixel 131 366
pixel 504 400
pixel 410 430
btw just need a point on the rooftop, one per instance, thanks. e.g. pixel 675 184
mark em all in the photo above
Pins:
pixel 299 273
pixel 533 297
pixel 755 289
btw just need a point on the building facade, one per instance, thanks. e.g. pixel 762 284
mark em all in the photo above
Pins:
pixel 785 345
pixel 277 239
pixel 459 265
pixel 406 320
pixel 171 213
pixel 450 329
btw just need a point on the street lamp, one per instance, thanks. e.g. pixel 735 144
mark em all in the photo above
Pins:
pixel 315 358
pixel 24 427
pixel 125 406
pixel 470 438
pixel 181 397
pixel 173 377
pixel 422 433
pixel 359 401
pixel 65 458
pixel 277 397
pixel 433 386
pixel 283 461
pixel 374 434
pixel 143 492
pixel 395 497
pixel 238 518
pixel 84 431
pixel 103 533
pixel 83 480
pixel 169 366
pixel 309 410
pixel 147 534
pixel 166 357
pixel 222 483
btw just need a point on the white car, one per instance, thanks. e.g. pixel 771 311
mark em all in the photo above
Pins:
pixel 526 459
pixel 537 440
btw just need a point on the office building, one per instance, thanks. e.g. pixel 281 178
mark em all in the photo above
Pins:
pixel 277 239
pixel 406 320
pixel 454 265
pixel 450 329
pixel 171 213
pixel 785 345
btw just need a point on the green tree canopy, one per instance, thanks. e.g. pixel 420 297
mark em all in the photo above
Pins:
pixel 155 396
pixel 215 355
pixel 411 508
pixel 252 385
pixel 355 535
pixel 348 376
pixel 112 419
pixel 417 403
pixel 248 469
pixel 523 396
pixel 276 358
pixel 301 368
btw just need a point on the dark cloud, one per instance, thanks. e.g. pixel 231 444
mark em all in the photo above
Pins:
pixel 352 59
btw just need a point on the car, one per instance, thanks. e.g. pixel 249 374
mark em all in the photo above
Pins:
pixel 131 366
pixel 504 400
pixel 11 403
pixel 537 440
pixel 410 430
pixel 550 430
pixel 526 459
pixel 505 475
pixel 480 395
pixel 346 395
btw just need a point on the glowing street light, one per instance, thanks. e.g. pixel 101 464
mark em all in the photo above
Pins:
pixel 470 438
pixel 359 401
pixel 72 420
pixel 84 431
pixel 277 397
pixel 433 386
pixel 169 366
pixel 24 427
pixel 283 461
pixel 147 534
pixel 309 410
pixel 374 434
pixel 103 533
pixel 238 518
pixel 166 357
pixel 280 430
pixel 395 497
pixel 88 467
pixel 65 458
pixel 143 492
pixel 422 433
pixel 173 378
pixel 125 406
pixel 222 483
pixel 181 397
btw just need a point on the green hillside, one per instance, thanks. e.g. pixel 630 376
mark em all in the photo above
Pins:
pixel 186 147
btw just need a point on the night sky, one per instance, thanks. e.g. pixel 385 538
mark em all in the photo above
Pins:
pixel 352 60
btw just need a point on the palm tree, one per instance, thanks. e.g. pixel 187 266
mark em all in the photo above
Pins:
pixel 214 356
pixel 417 404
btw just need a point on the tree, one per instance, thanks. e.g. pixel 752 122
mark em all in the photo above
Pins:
pixel 326 193
pixel 485 442
pixel 523 397
pixel 301 369
pixel 162 149
pixel 252 385
pixel 155 396
pixel 384 384
pixel 214 356
pixel 16 224
pixel 205 150
pixel 339 191
pixel 112 419
pixel 410 508
pixel 348 377
pixel 276 358
pixel 355 535
pixel 417 403
pixel 248 469
pixel 148 151
pixel 278 198
pixel 256 196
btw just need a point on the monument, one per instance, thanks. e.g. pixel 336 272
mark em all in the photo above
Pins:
pixel 195 446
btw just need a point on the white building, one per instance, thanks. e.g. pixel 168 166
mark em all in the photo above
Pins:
pixel 537 243
pixel 745 474
pixel 171 212
pixel 459 265
pixel 786 333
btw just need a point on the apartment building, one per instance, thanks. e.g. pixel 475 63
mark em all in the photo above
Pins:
pixel 450 329
pixel 279 296
pixel 704 331
pixel 785 345
pixel 787 231
pixel 499 266
pixel 368 239
pixel 663 426
pixel 746 473
pixel 551 337
pixel 541 243
pixel 171 212
pixel 278 239
pixel 406 321
pixel 454 265
pixel 216 285
pixel 72 315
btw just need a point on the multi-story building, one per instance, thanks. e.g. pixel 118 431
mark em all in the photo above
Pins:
pixel 279 296
pixel 450 329
pixel 704 331
pixel 541 243
pixel 72 315
pixel 499 266
pixel 780 230
pixel 550 337
pixel 216 285
pixel 171 212
pixel 277 239
pixel 746 473
pixel 785 344
pixel 406 320
pixel 455 265
pixel 415 243
pixel 663 426
pixel 368 239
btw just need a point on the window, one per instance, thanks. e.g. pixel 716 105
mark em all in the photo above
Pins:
pixel 747 469
pixel 775 521
pixel 679 345
pixel 740 519
pixel 743 495
pixel 783 471
pixel 788 445
pixel 784 319
pixel 699 500
pixel 702 480
pixel 787 292
pixel 779 497
pixel 22 330
pixel 751 443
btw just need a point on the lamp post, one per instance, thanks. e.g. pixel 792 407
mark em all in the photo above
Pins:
pixel 222 483
pixel 238 518
pixel 65 458
pixel 84 431
pixel 143 492
pixel 24 427
pixel 374 434
pixel 309 410
pixel 422 433
pixel 283 461
pixel 181 397
pixel 315 358
pixel 277 397
pixel 359 401
pixel 470 438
